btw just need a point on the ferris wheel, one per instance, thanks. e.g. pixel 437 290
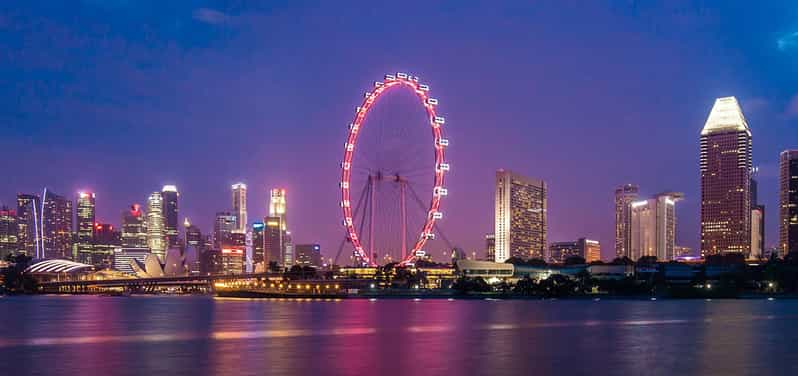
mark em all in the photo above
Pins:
pixel 388 158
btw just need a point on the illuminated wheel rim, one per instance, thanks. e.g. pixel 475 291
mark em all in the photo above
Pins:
pixel 439 144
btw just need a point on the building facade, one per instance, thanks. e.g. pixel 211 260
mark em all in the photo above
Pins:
pixel 757 232
pixel 520 217
pixel 653 227
pixel 788 201
pixel 273 241
pixel 85 226
pixel 169 197
pixel 624 196
pixel 56 224
pixel 490 247
pixel 156 232
pixel 725 165
pixel 9 232
pixel 28 213
pixel 258 250
pixel 240 205
pixel 223 228
pixel 134 228
pixel 308 255
pixel 590 250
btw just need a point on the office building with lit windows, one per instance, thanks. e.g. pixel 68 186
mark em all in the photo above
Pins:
pixel 624 196
pixel 134 228
pixel 169 196
pixel 788 201
pixel 9 232
pixel 240 205
pixel 590 250
pixel 56 225
pixel 28 213
pixel 520 217
pixel 273 240
pixel 85 226
pixel 258 250
pixel 223 227
pixel 725 165
pixel 309 255
pixel 653 227
pixel 156 232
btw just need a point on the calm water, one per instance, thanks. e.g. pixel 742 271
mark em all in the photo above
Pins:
pixel 90 335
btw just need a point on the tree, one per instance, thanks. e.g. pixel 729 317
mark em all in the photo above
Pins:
pixel 574 260
pixel 15 280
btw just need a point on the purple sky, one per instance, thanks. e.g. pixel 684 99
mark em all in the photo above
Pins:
pixel 121 97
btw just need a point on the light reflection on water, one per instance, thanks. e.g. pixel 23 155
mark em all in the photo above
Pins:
pixel 201 335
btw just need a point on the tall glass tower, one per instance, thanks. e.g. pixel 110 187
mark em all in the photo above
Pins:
pixel 85 226
pixel 725 164
pixel 788 202
pixel 156 232
pixel 240 205
pixel 169 195
pixel 520 217
pixel 624 196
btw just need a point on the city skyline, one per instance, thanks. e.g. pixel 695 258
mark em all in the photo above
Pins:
pixel 657 120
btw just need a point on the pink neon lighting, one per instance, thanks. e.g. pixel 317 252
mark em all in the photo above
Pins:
pixel 435 122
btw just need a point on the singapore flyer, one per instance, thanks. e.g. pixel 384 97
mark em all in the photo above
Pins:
pixel 392 172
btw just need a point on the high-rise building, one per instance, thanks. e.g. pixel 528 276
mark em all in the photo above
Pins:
pixel 273 240
pixel 9 232
pixel 223 227
pixel 258 250
pixel 277 205
pixel 169 196
pixel 590 250
pixel 156 231
pixel 277 209
pixel 725 164
pixel 85 226
pixel 624 196
pixel 28 213
pixel 106 240
pixel 788 201
pixel 520 217
pixel 757 232
pixel 134 228
pixel 490 247
pixel 193 235
pixel 653 227
pixel 56 224
pixel 240 205
pixel 309 255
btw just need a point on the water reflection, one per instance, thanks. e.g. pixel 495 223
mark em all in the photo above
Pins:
pixel 200 335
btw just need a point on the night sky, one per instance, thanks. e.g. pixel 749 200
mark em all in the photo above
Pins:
pixel 121 97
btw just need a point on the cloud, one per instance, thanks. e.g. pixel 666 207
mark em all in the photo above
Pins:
pixel 792 106
pixel 210 16
pixel 788 42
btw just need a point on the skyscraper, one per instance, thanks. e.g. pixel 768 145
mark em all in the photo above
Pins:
pixel 28 212
pixel 277 209
pixel 490 247
pixel 9 232
pixel 240 205
pixel 156 232
pixel 85 226
pixel 56 225
pixel 193 235
pixel 169 197
pixel 277 205
pixel 788 201
pixel 106 240
pixel 134 228
pixel 624 196
pixel 309 255
pixel 258 250
pixel 653 227
pixel 223 228
pixel 273 241
pixel 725 164
pixel 520 217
